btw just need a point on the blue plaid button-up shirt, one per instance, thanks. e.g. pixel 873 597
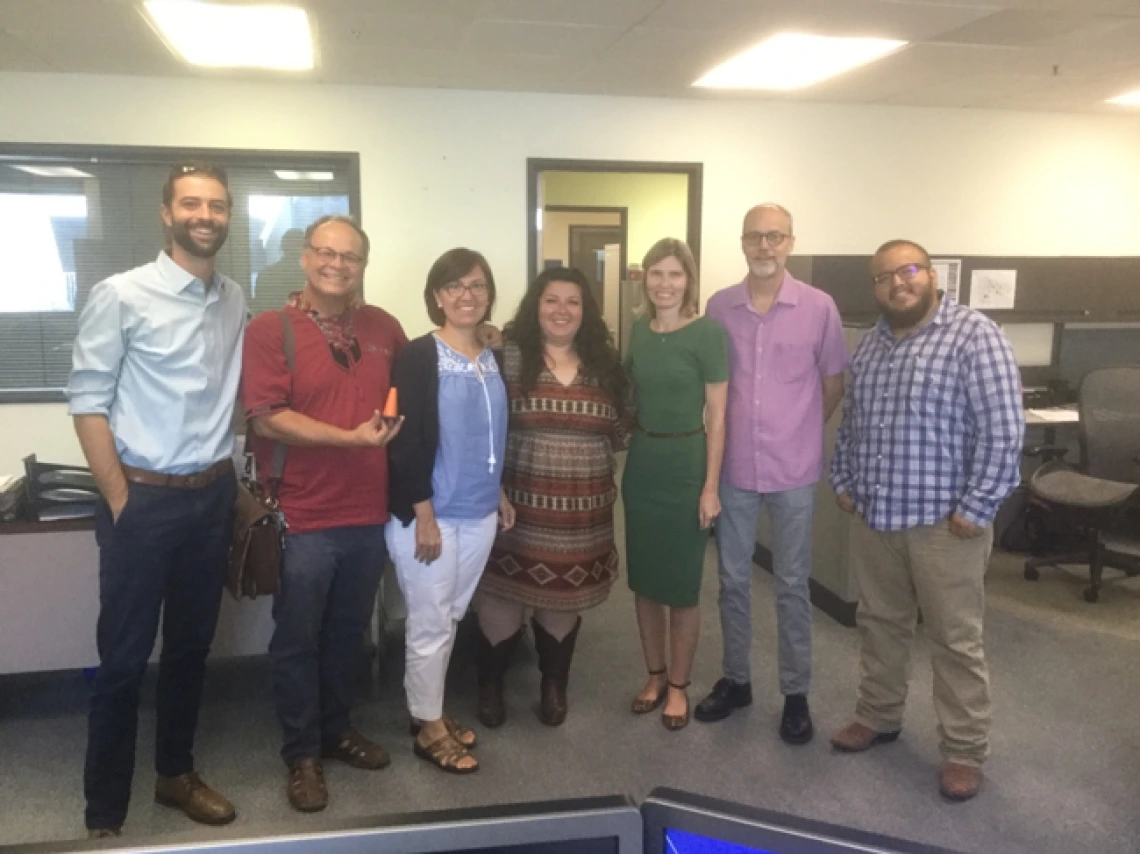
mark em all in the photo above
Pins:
pixel 932 424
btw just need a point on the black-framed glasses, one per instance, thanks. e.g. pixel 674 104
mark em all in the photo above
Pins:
pixel 329 256
pixel 774 239
pixel 456 288
pixel 907 273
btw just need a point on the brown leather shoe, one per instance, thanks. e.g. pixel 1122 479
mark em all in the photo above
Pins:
pixel 188 793
pixel 104 832
pixel 305 786
pixel 855 738
pixel 958 782
pixel 357 751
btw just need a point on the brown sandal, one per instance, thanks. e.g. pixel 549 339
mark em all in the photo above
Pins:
pixel 445 753
pixel 676 722
pixel 464 735
pixel 354 749
pixel 644 707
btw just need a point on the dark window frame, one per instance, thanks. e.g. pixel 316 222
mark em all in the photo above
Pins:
pixel 51 154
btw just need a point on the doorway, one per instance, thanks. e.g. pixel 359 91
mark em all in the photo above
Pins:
pixel 601 216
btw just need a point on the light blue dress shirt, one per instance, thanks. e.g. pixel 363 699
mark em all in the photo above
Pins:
pixel 472 435
pixel 159 354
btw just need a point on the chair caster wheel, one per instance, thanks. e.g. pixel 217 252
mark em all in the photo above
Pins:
pixel 1091 595
pixel 1031 573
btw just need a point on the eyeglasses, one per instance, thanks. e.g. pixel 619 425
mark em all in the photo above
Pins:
pixel 328 256
pixel 907 272
pixel 456 289
pixel 773 238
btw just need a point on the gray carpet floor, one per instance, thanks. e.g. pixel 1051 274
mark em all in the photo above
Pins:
pixel 1064 776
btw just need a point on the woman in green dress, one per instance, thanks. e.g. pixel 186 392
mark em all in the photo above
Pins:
pixel 679 366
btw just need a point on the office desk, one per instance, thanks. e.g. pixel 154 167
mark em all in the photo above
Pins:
pixel 49 578
pixel 1052 416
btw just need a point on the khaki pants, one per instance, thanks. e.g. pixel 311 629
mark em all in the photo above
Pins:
pixel 927 568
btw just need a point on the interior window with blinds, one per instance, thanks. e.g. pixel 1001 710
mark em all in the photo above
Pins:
pixel 70 220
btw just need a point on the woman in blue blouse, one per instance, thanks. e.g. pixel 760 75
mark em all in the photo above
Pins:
pixel 445 470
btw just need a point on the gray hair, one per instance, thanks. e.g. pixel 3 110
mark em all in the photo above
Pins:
pixel 773 206
pixel 350 221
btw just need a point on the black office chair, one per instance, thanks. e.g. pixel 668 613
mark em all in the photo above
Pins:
pixel 1100 500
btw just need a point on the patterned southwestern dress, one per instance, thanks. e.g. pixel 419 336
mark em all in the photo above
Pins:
pixel 559 475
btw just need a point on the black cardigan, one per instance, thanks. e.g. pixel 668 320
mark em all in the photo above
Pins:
pixel 411 455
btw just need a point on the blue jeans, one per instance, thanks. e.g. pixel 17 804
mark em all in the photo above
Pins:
pixel 329 581
pixel 790 513
pixel 165 556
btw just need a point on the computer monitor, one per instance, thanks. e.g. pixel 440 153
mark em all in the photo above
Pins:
pixel 682 823
pixel 605 825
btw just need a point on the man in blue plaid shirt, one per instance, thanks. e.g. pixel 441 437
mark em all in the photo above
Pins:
pixel 928 449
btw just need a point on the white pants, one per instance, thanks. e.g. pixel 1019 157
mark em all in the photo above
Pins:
pixel 437 595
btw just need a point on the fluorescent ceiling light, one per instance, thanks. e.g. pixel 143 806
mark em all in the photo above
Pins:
pixel 793 61
pixel 1128 99
pixel 54 171
pixel 274 37
pixel 289 175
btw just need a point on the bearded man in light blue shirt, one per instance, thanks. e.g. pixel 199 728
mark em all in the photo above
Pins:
pixel 155 371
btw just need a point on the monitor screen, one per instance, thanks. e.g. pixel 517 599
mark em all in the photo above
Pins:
pixel 683 823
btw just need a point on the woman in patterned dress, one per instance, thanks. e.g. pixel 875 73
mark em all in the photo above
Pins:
pixel 568 407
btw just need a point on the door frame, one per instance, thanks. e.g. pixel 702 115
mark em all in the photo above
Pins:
pixel 623 224
pixel 537 165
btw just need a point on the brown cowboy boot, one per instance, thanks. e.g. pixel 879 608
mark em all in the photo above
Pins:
pixel 491 662
pixel 554 657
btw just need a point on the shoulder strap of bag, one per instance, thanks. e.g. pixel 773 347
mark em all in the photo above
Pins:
pixel 289 343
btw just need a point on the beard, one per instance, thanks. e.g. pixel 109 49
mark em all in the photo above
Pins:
pixel 180 234
pixel 764 268
pixel 910 317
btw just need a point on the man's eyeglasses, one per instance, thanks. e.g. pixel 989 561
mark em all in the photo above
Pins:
pixel 328 256
pixel 455 289
pixel 773 238
pixel 907 272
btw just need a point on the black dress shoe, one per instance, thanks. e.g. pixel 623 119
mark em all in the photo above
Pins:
pixel 726 695
pixel 795 725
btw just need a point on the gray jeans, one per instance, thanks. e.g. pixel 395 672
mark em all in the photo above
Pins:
pixel 790 514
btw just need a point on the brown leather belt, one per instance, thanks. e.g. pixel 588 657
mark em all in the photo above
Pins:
pixel 179 481
pixel 681 435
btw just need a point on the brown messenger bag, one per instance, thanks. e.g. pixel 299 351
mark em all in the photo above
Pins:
pixel 259 527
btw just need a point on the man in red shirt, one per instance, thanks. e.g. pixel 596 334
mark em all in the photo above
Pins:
pixel 333 493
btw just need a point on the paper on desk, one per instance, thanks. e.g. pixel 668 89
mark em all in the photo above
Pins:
pixel 949 272
pixel 993 288
pixel 1058 415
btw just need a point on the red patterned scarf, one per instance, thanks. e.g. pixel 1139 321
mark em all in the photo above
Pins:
pixel 339 331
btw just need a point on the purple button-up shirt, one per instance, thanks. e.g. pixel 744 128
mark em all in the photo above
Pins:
pixel 774 422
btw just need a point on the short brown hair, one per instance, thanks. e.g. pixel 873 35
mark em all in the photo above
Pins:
pixel 452 265
pixel 671 247
pixel 195 167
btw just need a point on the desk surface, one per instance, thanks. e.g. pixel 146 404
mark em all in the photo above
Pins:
pixel 1052 416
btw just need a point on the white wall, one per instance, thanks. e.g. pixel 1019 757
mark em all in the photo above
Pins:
pixel 441 168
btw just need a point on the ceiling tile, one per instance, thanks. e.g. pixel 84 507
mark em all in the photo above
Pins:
pixel 540 39
pixel 967 91
pixel 16 57
pixel 423 32
pixel 601 13
pixel 1019 27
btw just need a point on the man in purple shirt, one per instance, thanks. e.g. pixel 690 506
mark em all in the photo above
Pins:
pixel 787 358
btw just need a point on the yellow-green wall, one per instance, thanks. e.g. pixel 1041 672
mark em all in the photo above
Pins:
pixel 658 203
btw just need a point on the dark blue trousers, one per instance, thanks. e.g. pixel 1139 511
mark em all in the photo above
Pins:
pixel 328 590
pixel 164 558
